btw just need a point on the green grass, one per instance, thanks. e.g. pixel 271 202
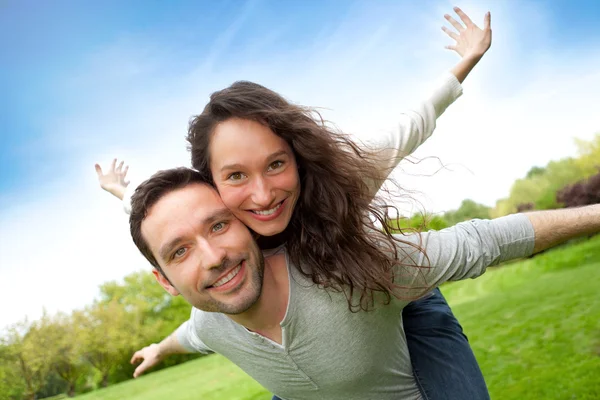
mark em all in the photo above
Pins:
pixel 534 326
pixel 211 377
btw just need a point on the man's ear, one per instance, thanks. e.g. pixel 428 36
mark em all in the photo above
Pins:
pixel 164 282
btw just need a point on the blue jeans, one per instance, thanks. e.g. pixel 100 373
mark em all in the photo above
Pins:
pixel 443 363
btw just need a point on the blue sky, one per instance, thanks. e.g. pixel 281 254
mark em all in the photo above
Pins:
pixel 46 43
pixel 84 82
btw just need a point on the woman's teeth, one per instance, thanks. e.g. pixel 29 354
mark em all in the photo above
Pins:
pixel 227 277
pixel 268 212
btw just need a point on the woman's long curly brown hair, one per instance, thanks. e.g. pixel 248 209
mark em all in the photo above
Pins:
pixel 338 234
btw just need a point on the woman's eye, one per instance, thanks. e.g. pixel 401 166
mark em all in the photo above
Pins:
pixel 275 165
pixel 218 227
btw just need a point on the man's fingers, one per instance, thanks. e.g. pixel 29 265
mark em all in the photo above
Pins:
pixel 463 17
pixel 112 165
pixel 99 171
pixel 125 171
pixel 450 33
pixel 138 371
pixel 141 368
pixel 120 166
pixel 450 47
pixel 454 23
pixel 487 21
pixel 136 357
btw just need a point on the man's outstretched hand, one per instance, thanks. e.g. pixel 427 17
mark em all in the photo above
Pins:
pixel 471 41
pixel 149 356
pixel 114 180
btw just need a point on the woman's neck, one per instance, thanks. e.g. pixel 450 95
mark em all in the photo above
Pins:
pixel 271 242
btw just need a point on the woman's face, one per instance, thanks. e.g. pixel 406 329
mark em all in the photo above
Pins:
pixel 256 174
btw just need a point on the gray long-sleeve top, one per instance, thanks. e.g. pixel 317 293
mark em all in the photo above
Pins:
pixel 331 353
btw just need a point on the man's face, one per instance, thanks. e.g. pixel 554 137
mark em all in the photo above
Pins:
pixel 208 256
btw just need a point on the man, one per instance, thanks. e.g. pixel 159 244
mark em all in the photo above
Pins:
pixel 299 340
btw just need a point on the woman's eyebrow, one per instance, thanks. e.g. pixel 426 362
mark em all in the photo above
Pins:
pixel 237 166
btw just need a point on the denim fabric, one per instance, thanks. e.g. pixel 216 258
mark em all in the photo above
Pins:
pixel 443 363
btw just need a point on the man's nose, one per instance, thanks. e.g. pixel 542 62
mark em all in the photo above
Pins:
pixel 211 256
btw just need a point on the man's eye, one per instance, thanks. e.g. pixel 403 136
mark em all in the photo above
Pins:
pixel 275 165
pixel 236 176
pixel 179 253
pixel 218 226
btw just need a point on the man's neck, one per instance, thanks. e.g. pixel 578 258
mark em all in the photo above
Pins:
pixel 265 316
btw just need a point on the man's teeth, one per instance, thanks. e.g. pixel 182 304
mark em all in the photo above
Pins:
pixel 227 277
pixel 267 212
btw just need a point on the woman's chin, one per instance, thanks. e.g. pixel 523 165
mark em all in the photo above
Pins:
pixel 267 229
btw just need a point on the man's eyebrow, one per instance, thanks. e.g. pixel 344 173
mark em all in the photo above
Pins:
pixel 167 248
pixel 239 166
pixel 218 215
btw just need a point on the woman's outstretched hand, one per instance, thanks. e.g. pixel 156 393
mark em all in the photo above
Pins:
pixel 471 41
pixel 114 180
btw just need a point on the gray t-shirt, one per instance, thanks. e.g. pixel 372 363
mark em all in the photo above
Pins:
pixel 331 353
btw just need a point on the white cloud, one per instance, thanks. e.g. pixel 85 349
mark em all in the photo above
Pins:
pixel 521 108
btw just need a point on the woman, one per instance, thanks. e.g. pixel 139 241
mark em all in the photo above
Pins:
pixel 296 182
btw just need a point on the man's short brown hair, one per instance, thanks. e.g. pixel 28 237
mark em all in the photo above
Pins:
pixel 148 194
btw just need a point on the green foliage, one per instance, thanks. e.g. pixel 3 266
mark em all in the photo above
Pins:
pixel 422 222
pixel 468 210
pixel 419 222
pixel 68 361
pixel 109 335
pixel 158 312
pixel 540 185
pixel 31 350
pixel 534 171
pixel 12 386
pixel 589 155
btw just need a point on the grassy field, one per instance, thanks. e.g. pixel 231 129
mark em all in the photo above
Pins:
pixel 534 326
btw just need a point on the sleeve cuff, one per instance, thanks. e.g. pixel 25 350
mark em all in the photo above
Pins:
pixel 129 190
pixel 521 236
pixel 183 337
pixel 447 90
pixel 188 339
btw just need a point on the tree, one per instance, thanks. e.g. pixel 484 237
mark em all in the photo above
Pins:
pixel 12 386
pixel 540 189
pixel 419 222
pixel 535 171
pixel 580 193
pixel 68 361
pixel 589 155
pixel 109 336
pixel 31 349
pixel 159 312
pixel 468 210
